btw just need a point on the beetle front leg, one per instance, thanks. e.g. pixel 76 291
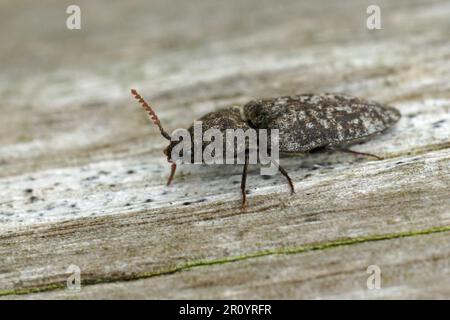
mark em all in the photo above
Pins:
pixel 173 168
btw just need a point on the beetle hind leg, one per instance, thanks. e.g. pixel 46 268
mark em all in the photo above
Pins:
pixel 355 152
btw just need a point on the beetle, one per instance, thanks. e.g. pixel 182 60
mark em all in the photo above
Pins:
pixel 306 122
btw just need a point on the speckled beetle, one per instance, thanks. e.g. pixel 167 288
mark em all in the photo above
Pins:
pixel 305 122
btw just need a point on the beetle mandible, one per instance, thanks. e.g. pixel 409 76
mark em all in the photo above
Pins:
pixel 306 122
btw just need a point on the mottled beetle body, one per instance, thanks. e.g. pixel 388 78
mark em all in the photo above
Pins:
pixel 305 122
pixel 311 121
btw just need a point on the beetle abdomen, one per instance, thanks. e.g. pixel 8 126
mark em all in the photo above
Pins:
pixel 310 121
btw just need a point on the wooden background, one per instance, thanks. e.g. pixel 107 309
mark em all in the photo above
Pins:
pixel 82 174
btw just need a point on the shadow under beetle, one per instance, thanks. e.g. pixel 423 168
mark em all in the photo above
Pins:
pixel 305 122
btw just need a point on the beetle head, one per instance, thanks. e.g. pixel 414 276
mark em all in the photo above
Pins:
pixel 168 150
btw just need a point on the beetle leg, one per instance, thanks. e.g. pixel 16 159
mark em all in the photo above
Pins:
pixel 243 181
pixel 284 173
pixel 173 168
pixel 355 152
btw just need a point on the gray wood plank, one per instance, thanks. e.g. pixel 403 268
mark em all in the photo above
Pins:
pixel 415 267
pixel 389 200
pixel 82 175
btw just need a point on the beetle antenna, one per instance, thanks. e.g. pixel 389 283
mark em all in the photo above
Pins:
pixel 152 113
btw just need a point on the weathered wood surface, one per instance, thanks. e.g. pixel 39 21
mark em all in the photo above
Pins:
pixel 82 177
pixel 412 267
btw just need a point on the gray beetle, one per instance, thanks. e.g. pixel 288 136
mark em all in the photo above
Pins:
pixel 305 122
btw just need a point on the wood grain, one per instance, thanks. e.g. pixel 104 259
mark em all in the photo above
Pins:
pixel 82 174
pixel 410 268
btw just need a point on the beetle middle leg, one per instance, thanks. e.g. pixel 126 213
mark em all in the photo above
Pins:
pixel 354 152
pixel 284 173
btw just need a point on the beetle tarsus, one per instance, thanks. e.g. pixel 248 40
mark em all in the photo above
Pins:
pixel 244 202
